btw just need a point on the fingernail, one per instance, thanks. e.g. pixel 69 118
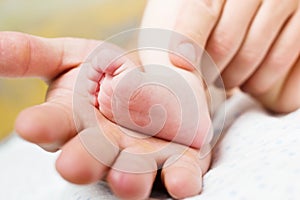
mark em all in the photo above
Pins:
pixel 188 51
pixel 51 147
pixel 219 83
pixel 204 151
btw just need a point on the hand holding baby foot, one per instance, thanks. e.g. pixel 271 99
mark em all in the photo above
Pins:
pixel 57 61
pixel 141 101
pixel 255 44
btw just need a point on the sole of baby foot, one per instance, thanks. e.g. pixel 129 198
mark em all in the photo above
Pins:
pixel 136 102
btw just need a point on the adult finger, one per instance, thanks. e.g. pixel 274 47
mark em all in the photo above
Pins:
pixel 230 30
pixel 262 33
pixel 51 124
pixel 189 22
pixel 279 60
pixel 186 170
pixel 39 124
pixel 194 22
pixel 132 174
pixel 284 95
pixel 77 165
pixel 24 55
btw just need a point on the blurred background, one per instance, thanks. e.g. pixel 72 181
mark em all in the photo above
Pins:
pixel 95 19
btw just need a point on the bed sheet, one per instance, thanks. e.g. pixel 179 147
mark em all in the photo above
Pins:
pixel 258 157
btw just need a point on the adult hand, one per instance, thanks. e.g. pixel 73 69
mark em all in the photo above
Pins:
pixel 52 126
pixel 254 43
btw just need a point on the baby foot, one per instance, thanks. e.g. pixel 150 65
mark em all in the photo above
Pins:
pixel 161 101
pixel 61 126
pixel 129 160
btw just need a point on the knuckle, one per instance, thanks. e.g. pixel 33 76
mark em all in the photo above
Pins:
pixel 196 37
pixel 255 89
pixel 280 62
pixel 213 7
pixel 292 5
pixel 248 57
pixel 287 7
pixel 221 45
pixel 9 48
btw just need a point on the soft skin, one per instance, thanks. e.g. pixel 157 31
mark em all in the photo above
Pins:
pixel 56 61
